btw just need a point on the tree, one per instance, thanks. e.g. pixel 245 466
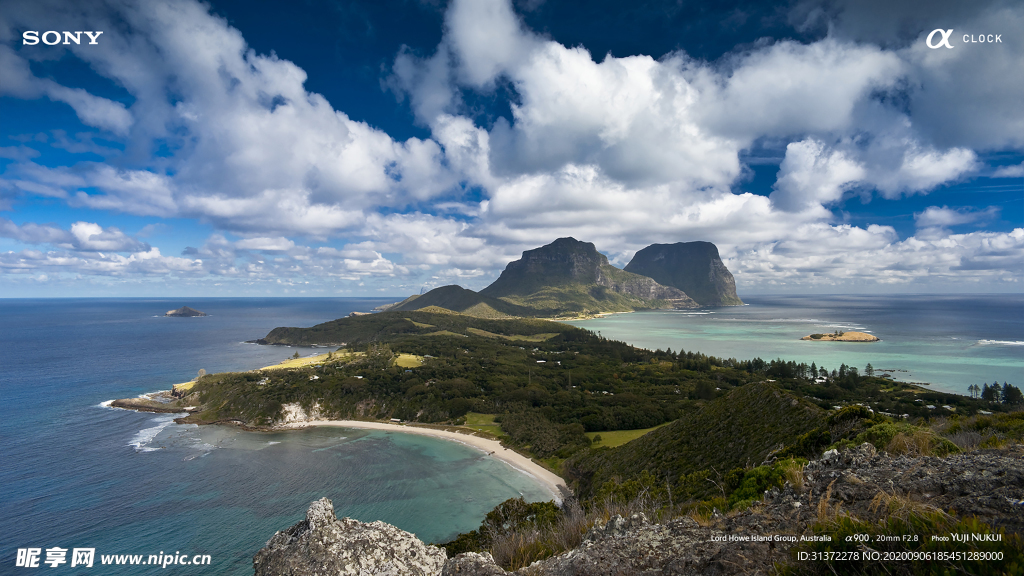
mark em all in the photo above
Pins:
pixel 1012 394
pixel 597 438
pixel 869 369
pixel 296 355
pixel 991 393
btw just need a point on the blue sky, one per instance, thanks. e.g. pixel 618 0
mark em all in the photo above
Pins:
pixel 376 148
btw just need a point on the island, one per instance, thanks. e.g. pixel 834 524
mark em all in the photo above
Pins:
pixel 843 337
pixel 678 453
pixel 570 279
pixel 185 312
pixel 673 452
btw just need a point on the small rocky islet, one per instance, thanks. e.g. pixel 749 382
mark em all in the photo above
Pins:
pixel 185 312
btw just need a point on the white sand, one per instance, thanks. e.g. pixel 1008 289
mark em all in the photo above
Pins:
pixel 551 481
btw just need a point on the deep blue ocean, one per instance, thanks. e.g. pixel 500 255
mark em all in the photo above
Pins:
pixel 76 474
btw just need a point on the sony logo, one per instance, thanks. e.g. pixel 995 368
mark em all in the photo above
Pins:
pixel 53 37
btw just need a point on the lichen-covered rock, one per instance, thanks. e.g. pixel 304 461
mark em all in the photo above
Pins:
pixel 472 564
pixel 324 545
pixel 986 483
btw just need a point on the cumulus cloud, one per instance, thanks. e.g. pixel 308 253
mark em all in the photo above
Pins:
pixel 91 110
pixel 82 236
pixel 242 128
pixel 812 176
pixel 1016 171
pixel 933 216
pixel 619 151
pixel 832 255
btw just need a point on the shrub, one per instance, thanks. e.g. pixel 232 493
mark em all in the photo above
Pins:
pixel 902 438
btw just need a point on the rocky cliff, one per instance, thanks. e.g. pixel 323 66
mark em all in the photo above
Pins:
pixel 859 484
pixel 322 544
pixel 693 267
pixel 577 275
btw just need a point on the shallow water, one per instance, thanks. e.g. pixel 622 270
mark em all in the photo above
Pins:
pixel 950 342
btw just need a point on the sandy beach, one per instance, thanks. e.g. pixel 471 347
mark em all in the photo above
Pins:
pixel 551 481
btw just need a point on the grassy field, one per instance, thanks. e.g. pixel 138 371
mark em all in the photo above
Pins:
pixel 409 360
pixel 420 324
pixel 308 360
pixel 514 337
pixel 483 422
pixel 613 438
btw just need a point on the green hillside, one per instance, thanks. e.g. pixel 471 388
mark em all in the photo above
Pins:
pixel 739 428
pixel 393 323
pixel 465 301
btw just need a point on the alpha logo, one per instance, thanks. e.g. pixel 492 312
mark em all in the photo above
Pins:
pixel 53 37
pixel 945 38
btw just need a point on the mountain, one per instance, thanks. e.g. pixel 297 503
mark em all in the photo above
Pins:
pixel 459 299
pixel 693 267
pixel 572 276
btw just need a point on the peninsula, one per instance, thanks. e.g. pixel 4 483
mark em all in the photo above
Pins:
pixel 843 337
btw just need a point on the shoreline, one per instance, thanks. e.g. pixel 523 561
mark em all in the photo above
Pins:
pixel 548 479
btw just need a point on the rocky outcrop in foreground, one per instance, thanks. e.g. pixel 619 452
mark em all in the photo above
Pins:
pixel 323 544
pixel 986 483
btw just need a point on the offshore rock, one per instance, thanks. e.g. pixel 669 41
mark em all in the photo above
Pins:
pixel 185 312
pixel 322 544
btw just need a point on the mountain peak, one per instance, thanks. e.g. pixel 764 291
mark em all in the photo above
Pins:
pixel 693 267
pixel 564 261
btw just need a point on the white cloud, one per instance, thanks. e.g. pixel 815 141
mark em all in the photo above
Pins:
pixel 1016 171
pixel 82 236
pixel 91 110
pixel 264 244
pixel 943 217
pixel 812 176
pixel 621 151
pixel 832 255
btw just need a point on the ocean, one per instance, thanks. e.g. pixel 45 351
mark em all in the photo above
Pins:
pixel 946 341
pixel 77 474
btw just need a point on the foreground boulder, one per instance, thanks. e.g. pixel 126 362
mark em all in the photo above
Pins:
pixel 322 544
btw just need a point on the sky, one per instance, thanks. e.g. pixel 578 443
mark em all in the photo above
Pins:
pixel 379 148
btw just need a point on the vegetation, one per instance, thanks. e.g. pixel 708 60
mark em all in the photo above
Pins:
pixel 613 438
pixel 468 302
pixel 680 432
